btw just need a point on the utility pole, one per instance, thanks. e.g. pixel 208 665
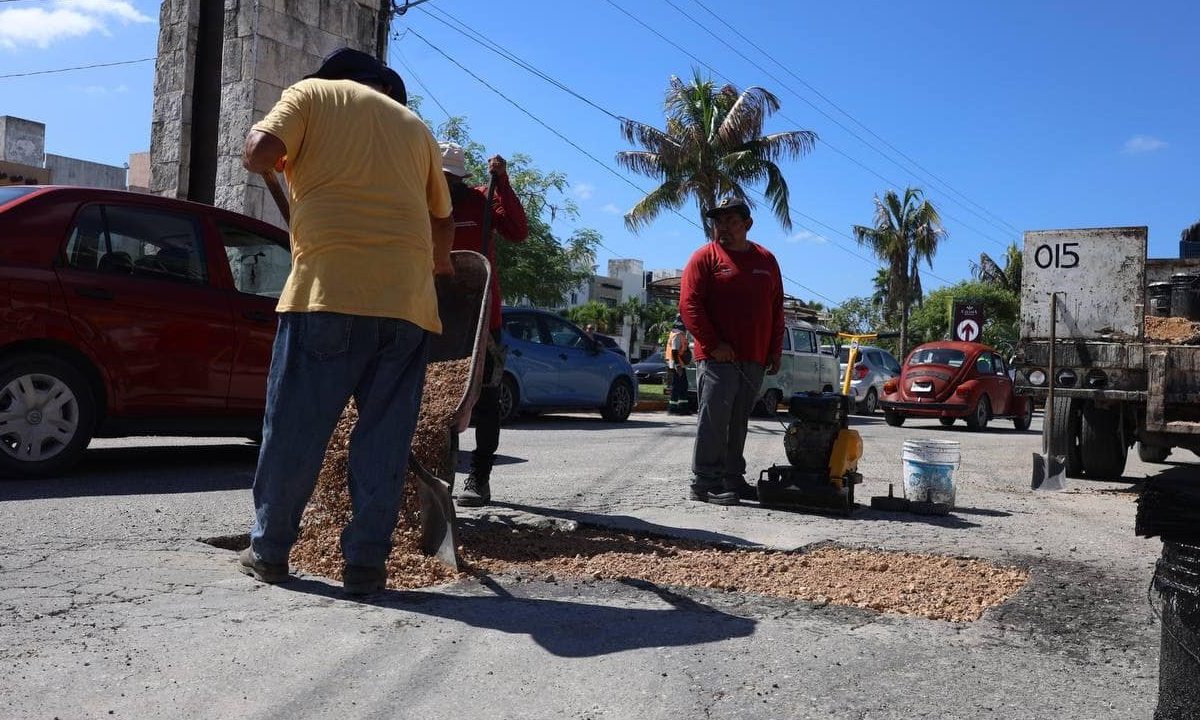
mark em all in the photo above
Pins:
pixel 389 9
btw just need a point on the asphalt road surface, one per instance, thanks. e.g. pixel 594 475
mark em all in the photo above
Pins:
pixel 111 607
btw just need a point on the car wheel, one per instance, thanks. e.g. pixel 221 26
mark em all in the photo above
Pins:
pixel 893 419
pixel 1025 419
pixel 768 404
pixel 946 422
pixel 978 419
pixel 1152 453
pixel 619 403
pixel 47 415
pixel 509 399
pixel 869 404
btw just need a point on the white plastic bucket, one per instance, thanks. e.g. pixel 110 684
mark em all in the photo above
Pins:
pixel 929 467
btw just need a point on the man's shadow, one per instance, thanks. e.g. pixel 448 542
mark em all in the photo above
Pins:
pixel 563 628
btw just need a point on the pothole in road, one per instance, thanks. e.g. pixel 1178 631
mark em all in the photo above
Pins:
pixel 929 586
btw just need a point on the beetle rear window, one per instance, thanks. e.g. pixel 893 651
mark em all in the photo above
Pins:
pixel 938 356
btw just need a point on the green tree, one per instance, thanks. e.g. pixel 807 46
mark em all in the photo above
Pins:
pixel 592 312
pixel 657 318
pixel 905 233
pixel 1001 306
pixel 856 315
pixel 544 269
pixel 1007 277
pixel 713 145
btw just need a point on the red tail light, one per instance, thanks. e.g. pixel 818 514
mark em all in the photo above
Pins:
pixel 861 371
pixel 890 386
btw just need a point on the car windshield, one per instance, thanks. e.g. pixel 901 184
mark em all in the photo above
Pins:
pixel 937 356
pixel 655 358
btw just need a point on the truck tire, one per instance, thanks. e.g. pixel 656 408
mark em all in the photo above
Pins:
pixel 1102 447
pixel 1065 440
pixel 1152 453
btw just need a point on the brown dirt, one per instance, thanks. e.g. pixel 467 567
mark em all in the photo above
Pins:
pixel 318 549
pixel 1172 330
pixel 928 586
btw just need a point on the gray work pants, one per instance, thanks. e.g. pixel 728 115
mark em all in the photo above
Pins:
pixel 726 398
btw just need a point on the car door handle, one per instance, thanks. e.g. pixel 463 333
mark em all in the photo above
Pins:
pixel 257 315
pixel 95 292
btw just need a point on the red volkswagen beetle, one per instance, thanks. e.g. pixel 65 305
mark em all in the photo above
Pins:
pixel 951 380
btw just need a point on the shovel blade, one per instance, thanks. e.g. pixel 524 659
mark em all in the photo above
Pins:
pixel 437 517
pixel 1049 472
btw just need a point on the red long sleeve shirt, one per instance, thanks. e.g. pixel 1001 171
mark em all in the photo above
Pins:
pixel 736 298
pixel 508 219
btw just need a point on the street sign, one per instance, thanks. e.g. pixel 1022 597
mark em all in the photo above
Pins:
pixel 968 321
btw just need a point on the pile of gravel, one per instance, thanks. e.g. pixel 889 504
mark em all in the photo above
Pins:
pixel 318 549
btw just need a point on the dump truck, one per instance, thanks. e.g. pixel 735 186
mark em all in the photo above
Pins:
pixel 1114 384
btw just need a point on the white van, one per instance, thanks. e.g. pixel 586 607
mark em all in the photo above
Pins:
pixel 809 364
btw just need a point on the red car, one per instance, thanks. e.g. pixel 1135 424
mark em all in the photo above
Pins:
pixel 129 314
pixel 951 380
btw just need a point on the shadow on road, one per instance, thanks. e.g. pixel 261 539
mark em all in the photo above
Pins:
pixel 628 523
pixel 144 470
pixel 463 463
pixel 950 522
pixel 563 628
pixel 577 422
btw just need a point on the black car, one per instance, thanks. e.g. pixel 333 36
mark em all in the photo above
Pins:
pixel 609 343
pixel 652 370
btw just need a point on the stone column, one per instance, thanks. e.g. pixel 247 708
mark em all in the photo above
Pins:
pixel 265 46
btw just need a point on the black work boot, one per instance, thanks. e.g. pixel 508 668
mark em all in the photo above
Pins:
pixel 476 491
pixel 744 490
pixel 364 579
pixel 712 493
pixel 251 564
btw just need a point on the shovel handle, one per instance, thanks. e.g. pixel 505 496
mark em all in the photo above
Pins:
pixel 277 194
pixel 488 211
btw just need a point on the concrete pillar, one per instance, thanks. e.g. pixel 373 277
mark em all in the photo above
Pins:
pixel 256 48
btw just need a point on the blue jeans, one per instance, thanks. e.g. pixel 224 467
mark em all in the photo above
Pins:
pixel 727 394
pixel 319 361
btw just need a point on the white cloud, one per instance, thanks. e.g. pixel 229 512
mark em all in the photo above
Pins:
pixel 101 90
pixel 1143 144
pixel 39 27
pixel 612 209
pixel 583 191
pixel 804 236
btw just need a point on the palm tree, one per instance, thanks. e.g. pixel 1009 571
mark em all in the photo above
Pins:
pixel 712 146
pixel 905 233
pixel 1008 277
pixel 879 298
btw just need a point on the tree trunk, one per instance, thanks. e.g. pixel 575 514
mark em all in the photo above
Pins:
pixel 905 302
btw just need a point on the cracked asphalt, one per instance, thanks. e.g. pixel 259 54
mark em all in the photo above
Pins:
pixel 111 606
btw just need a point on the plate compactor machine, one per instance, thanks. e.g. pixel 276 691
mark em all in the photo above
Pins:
pixel 823 454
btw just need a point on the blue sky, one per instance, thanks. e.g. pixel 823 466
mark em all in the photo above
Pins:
pixel 1022 115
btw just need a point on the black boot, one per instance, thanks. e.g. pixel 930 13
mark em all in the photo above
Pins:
pixel 476 491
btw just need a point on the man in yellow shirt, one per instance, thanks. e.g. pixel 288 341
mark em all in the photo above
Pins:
pixel 370 227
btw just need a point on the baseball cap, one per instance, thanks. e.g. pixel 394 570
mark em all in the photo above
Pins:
pixel 454 161
pixel 727 204
pixel 395 84
pixel 350 64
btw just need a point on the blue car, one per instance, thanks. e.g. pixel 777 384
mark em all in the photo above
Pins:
pixel 553 365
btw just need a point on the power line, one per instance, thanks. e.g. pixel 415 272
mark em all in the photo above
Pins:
pixel 855 120
pixel 77 67
pixel 835 121
pixel 496 49
pixel 392 54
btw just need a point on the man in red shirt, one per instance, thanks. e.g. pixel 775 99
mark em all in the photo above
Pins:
pixel 508 219
pixel 731 301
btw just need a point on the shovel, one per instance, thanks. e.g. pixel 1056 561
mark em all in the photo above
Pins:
pixel 1049 470
pixel 437 512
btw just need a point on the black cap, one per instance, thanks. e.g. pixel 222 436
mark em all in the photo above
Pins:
pixel 349 64
pixel 395 85
pixel 729 203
